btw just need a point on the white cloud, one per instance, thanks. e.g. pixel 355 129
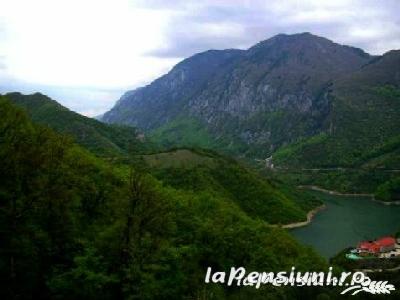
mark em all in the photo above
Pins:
pixel 85 53
pixel 82 42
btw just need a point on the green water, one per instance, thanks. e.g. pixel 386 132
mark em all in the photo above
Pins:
pixel 346 221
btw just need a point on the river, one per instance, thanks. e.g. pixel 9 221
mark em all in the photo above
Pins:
pixel 346 221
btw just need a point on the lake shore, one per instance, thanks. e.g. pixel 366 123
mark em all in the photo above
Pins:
pixel 310 216
pixel 329 231
pixel 336 193
pixel 313 212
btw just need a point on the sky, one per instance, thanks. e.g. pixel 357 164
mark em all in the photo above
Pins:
pixel 86 53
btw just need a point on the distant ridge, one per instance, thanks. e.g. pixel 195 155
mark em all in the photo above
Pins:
pixel 100 138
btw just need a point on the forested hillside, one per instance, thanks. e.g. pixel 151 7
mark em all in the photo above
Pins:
pixel 114 140
pixel 259 196
pixel 364 121
pixel 75 226
pixel 199 170
pixel 363 136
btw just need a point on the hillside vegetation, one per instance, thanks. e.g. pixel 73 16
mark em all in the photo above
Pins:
pixel 102 139
pixel 363 139
pixel 307 101
pixel 199 171
pixel 77 227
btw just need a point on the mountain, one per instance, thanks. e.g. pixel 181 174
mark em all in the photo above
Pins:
pixel 247 102
pixel 100 138
pixel 363 121
pixel 359 150
pixel 324 113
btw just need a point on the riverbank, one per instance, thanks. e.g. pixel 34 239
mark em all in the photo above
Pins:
pixel 336 193
pixel 310 216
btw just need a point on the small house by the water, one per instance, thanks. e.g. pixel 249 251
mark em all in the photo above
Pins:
pixel 385 247
pixel 384 244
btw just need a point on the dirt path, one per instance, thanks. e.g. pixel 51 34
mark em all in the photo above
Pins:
pixel 310 216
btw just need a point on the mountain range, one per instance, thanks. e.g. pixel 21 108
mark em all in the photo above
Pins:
pixel 301 98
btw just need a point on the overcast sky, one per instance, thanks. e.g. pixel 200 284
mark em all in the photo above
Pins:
pixel 86 53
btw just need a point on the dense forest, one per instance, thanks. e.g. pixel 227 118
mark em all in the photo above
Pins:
pixel 74 225
pixel 104 140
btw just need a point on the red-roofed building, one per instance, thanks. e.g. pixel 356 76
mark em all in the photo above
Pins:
pixel 383 244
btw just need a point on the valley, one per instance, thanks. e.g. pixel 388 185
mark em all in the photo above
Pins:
pixel 173 178
pixel 310 103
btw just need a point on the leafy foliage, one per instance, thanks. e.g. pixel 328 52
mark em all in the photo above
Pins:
pixel 74 226
pixel 219 175
pixel 183 132
pixel 389 191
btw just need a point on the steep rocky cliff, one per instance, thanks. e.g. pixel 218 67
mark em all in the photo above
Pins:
pixel 249 102
pixel 363 122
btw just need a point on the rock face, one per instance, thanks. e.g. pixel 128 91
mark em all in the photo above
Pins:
pixel 362 129
pixel 159 102
pixel 250 101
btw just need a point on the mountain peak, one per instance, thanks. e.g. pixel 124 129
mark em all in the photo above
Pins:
pixel 295 37
pixel 306 48
pixel 288 72
pixel 304 39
